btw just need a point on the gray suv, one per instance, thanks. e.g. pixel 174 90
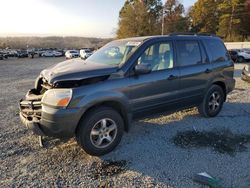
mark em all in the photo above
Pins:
pixel 95 100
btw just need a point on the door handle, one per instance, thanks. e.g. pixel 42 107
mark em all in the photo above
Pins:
pixel 208 70
pixel 172 77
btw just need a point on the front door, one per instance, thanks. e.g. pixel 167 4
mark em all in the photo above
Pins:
pixel 160 86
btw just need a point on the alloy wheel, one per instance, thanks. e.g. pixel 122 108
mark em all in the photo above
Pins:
pixel 103 133
pixel 214 101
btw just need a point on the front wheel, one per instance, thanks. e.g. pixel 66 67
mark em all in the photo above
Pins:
pixel 100 131
pixel 212 102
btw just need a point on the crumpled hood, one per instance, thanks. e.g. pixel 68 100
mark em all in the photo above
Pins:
pixel 76 69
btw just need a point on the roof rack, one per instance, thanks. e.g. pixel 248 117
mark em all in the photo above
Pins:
pixel 191 34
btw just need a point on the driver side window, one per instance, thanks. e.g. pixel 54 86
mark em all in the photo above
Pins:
pixel 159 56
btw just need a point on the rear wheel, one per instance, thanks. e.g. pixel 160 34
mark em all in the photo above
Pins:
pixel 100 131
pixel 240 59
pixel 212 102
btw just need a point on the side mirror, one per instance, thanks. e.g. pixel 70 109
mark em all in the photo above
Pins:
pixel 144 68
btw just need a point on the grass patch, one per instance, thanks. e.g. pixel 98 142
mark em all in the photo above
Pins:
pixel 222 141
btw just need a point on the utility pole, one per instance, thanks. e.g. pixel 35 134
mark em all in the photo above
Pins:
pixel 162 20
pixel 231 21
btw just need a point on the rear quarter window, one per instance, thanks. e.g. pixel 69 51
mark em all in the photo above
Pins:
pixel 217 50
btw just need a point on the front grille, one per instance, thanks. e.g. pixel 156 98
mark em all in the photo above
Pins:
pixel 31 108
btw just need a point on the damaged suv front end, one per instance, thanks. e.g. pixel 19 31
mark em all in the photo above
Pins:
pixel 46 109
pixel 61 92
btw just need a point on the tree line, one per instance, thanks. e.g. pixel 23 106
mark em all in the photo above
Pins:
pixel 229 19
pixel 51 42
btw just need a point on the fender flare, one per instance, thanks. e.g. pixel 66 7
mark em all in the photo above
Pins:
pixel 109 98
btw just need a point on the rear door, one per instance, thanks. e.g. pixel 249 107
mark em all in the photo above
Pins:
pixel 195 69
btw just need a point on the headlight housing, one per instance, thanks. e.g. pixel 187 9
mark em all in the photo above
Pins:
pixel 57 97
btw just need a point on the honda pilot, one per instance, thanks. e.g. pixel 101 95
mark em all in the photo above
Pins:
pixel 96 99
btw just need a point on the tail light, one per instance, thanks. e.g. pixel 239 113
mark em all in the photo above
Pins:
pixel 248 52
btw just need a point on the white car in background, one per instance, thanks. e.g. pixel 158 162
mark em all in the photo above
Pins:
pixel 72 54
pixel 85 53
pixel 52 54
pixel 243 55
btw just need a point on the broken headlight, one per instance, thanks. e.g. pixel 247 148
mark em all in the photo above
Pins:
pixel 57 97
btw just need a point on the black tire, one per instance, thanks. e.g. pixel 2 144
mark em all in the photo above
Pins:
pixel 209 107
pixel 240 59
pixel 90 121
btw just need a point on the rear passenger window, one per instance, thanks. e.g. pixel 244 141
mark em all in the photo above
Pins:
pixel 188 53
pixel 217 50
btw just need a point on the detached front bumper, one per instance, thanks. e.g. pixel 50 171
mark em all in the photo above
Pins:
pixel 33 125
pixel 48 121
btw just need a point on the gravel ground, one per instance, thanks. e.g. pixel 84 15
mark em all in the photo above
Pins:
pixel 146 157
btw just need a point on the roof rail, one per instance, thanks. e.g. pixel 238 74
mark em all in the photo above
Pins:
pixel 180 33
pixel 191 34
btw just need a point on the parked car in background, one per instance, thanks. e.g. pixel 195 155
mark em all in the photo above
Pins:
pixel 72 54
pixel 52 54
pixel 22 53
pixel 40 52
pixel 243 55
pixel 11 53
pixel 233 55
pixel 85 53
pixel 61 51
pixel 4 55
pixel 33 54
pixel 245 75
pixel 126 79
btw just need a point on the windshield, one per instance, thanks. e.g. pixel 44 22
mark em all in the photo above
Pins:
pixel 114 53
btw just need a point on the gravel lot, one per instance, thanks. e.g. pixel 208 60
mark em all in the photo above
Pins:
pixel 146 157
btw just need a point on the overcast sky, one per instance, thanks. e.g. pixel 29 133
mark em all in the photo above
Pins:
pixel 89 18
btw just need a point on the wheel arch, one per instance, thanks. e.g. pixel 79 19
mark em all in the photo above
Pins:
pixel 117 105
pixel 241 56
pixel 223 86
